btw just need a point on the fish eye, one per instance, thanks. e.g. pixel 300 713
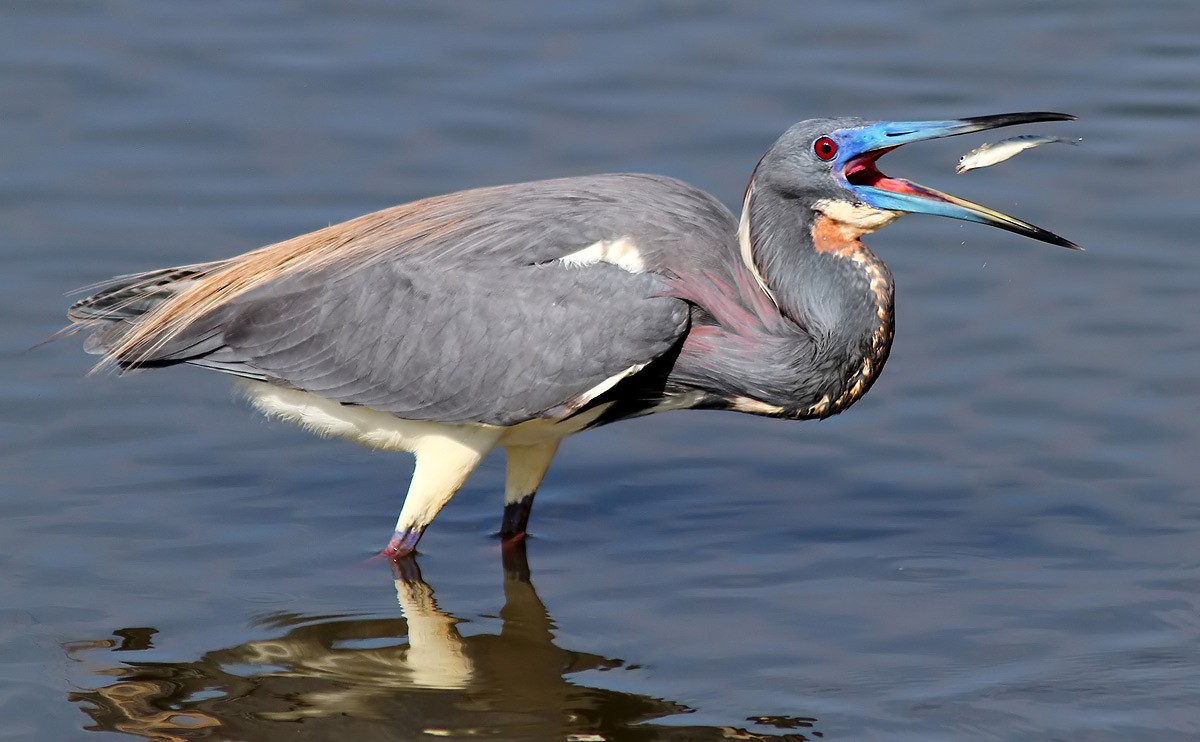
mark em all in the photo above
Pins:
pixel 825 148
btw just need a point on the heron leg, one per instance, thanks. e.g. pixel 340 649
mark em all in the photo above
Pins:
pixel 444 461
pixel 527 466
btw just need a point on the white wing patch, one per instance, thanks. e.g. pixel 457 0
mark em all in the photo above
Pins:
pixel 622 253
pixel 607 384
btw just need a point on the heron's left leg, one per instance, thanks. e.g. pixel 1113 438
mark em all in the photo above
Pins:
pixel 444 461
pixel 527 466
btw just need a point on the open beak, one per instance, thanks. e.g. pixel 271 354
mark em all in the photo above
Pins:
pixel 863 145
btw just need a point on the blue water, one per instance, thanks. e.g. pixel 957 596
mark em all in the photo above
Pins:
pixel 1001 541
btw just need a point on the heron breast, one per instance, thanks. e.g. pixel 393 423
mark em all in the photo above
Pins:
pixel 836 231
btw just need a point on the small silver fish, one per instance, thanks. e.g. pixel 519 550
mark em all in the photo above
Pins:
pixel 994 152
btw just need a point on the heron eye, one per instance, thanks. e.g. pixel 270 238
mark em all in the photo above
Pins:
pixel 825 148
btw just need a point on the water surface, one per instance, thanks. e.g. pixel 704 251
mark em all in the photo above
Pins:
pixel 1001 541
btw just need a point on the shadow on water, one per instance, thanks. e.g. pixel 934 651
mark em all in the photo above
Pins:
pixel 372 678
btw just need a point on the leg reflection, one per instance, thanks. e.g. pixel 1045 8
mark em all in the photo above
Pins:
pixel 437 656
pixel 424 673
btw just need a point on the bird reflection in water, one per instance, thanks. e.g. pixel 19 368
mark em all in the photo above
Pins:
pixel 344 677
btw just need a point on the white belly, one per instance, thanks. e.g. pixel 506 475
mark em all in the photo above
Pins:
pixel 385 431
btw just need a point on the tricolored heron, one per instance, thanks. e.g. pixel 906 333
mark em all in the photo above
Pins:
pixel 517 315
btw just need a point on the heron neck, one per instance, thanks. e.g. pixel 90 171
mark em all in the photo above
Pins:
pixel 822 278
pixel 819 275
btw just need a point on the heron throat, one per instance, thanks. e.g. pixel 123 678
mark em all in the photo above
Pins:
pixel 813 265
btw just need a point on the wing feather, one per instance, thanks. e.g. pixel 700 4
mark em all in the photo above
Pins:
pixel 457 308
pixel 496 346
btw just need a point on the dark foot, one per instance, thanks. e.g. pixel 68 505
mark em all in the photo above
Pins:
pixel 516 518
pixel 403 543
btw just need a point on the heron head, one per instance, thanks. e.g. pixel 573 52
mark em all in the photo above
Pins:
pixel 833 162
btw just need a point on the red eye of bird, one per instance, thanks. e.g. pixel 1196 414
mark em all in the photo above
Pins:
pixel 825 148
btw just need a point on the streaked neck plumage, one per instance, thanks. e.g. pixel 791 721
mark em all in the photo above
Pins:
pixel 812 264
pixel 798 324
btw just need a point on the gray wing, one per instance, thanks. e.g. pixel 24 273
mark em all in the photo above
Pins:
pixel 457 308
pixel 496 346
